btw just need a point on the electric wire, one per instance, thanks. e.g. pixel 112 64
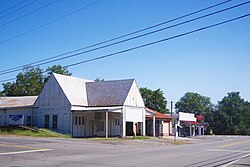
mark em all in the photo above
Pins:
pixel 51 22
pixel 122 36
pixel 132 38
pixel 152 43
pixel 18 9
pixel 33 11
pixel 12 6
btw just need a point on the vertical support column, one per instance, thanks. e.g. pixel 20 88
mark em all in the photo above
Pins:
pixel 199 130
pixel 154 126
pixel 143 122
pixel 194 130
pixel 190 130
pixel 203 130
pixel 107 124
pixel 123 122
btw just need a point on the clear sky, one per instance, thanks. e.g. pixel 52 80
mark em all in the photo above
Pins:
pixel 212 62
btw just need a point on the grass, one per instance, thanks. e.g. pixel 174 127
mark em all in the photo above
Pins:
pixel 40 133
pixel 140 137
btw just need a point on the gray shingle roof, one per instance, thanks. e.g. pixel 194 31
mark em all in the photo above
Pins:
pixel 108 93
pixel 12 102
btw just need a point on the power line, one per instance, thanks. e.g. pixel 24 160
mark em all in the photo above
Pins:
pixel 12 6
pixel 53 21
pixel 159 41
pixel 33 11
pixel 132 38
pixel 153 43
pixel 18 9
pixel 119 37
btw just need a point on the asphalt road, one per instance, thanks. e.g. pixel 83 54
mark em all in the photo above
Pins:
pixel 209 151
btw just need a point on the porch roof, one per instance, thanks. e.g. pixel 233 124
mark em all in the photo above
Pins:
pixel 85 109
pixel 157 114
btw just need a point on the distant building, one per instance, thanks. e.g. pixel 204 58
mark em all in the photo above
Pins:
pixel 187 125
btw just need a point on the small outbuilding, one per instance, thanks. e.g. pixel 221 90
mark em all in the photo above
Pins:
pixel 158 124
pixel 16 110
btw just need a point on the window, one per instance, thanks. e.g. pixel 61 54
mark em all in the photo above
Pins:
pixel 82 120
pixel 98 115
pixel 54 122
pixel 117 121
pixel 99 126
pixel 79 122
pixel 46 121
pixel 75 120
pixel 28 121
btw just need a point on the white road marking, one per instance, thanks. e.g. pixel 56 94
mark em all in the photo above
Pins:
pixel 22 152
pixel 222 150
pixel 230 163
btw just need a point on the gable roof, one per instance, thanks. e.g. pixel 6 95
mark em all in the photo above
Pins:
pixel 108 93
pixel 19 101
pixel 73 88
pixel 82 92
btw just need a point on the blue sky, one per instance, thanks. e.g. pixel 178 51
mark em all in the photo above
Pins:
pixel 211 62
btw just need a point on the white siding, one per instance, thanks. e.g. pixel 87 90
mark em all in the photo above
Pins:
pixel 134 114
pixel 51 95
pixel 4 117
pixel 134 97
pixel 63 117
pixel 186 117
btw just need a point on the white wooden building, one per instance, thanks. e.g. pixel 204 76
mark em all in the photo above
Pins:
pixel 84 108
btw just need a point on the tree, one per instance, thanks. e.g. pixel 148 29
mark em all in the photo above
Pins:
pixel 154 99
pixel 56 69
pixel 229 116
pixel 194 103
pixel 98 79
pixel 30 81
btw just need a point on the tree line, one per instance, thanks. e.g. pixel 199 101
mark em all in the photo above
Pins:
pixel 230 116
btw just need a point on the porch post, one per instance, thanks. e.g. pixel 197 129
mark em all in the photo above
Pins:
pixel 107 124
pixel 199 130
pixel 143 122
pixel 194 130
pixel 154 126
pixel 123 122
pixel 190 130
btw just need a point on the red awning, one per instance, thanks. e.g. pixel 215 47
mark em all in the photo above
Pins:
pixel 192 122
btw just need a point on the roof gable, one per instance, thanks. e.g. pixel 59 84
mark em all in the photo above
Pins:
pixel 108 93
pixel 73 88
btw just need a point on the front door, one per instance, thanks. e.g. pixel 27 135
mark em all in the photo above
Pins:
pixel 165 128
pixel 116 127
pixel 78 125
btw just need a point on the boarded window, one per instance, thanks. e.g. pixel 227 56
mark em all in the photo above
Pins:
pixel 54 121
pixel 28 121
pixel 46 121
pixel 99 126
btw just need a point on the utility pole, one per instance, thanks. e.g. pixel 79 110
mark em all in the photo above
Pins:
pixel 172 115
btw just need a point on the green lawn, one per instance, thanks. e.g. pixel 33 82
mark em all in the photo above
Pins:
pixel 40 133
